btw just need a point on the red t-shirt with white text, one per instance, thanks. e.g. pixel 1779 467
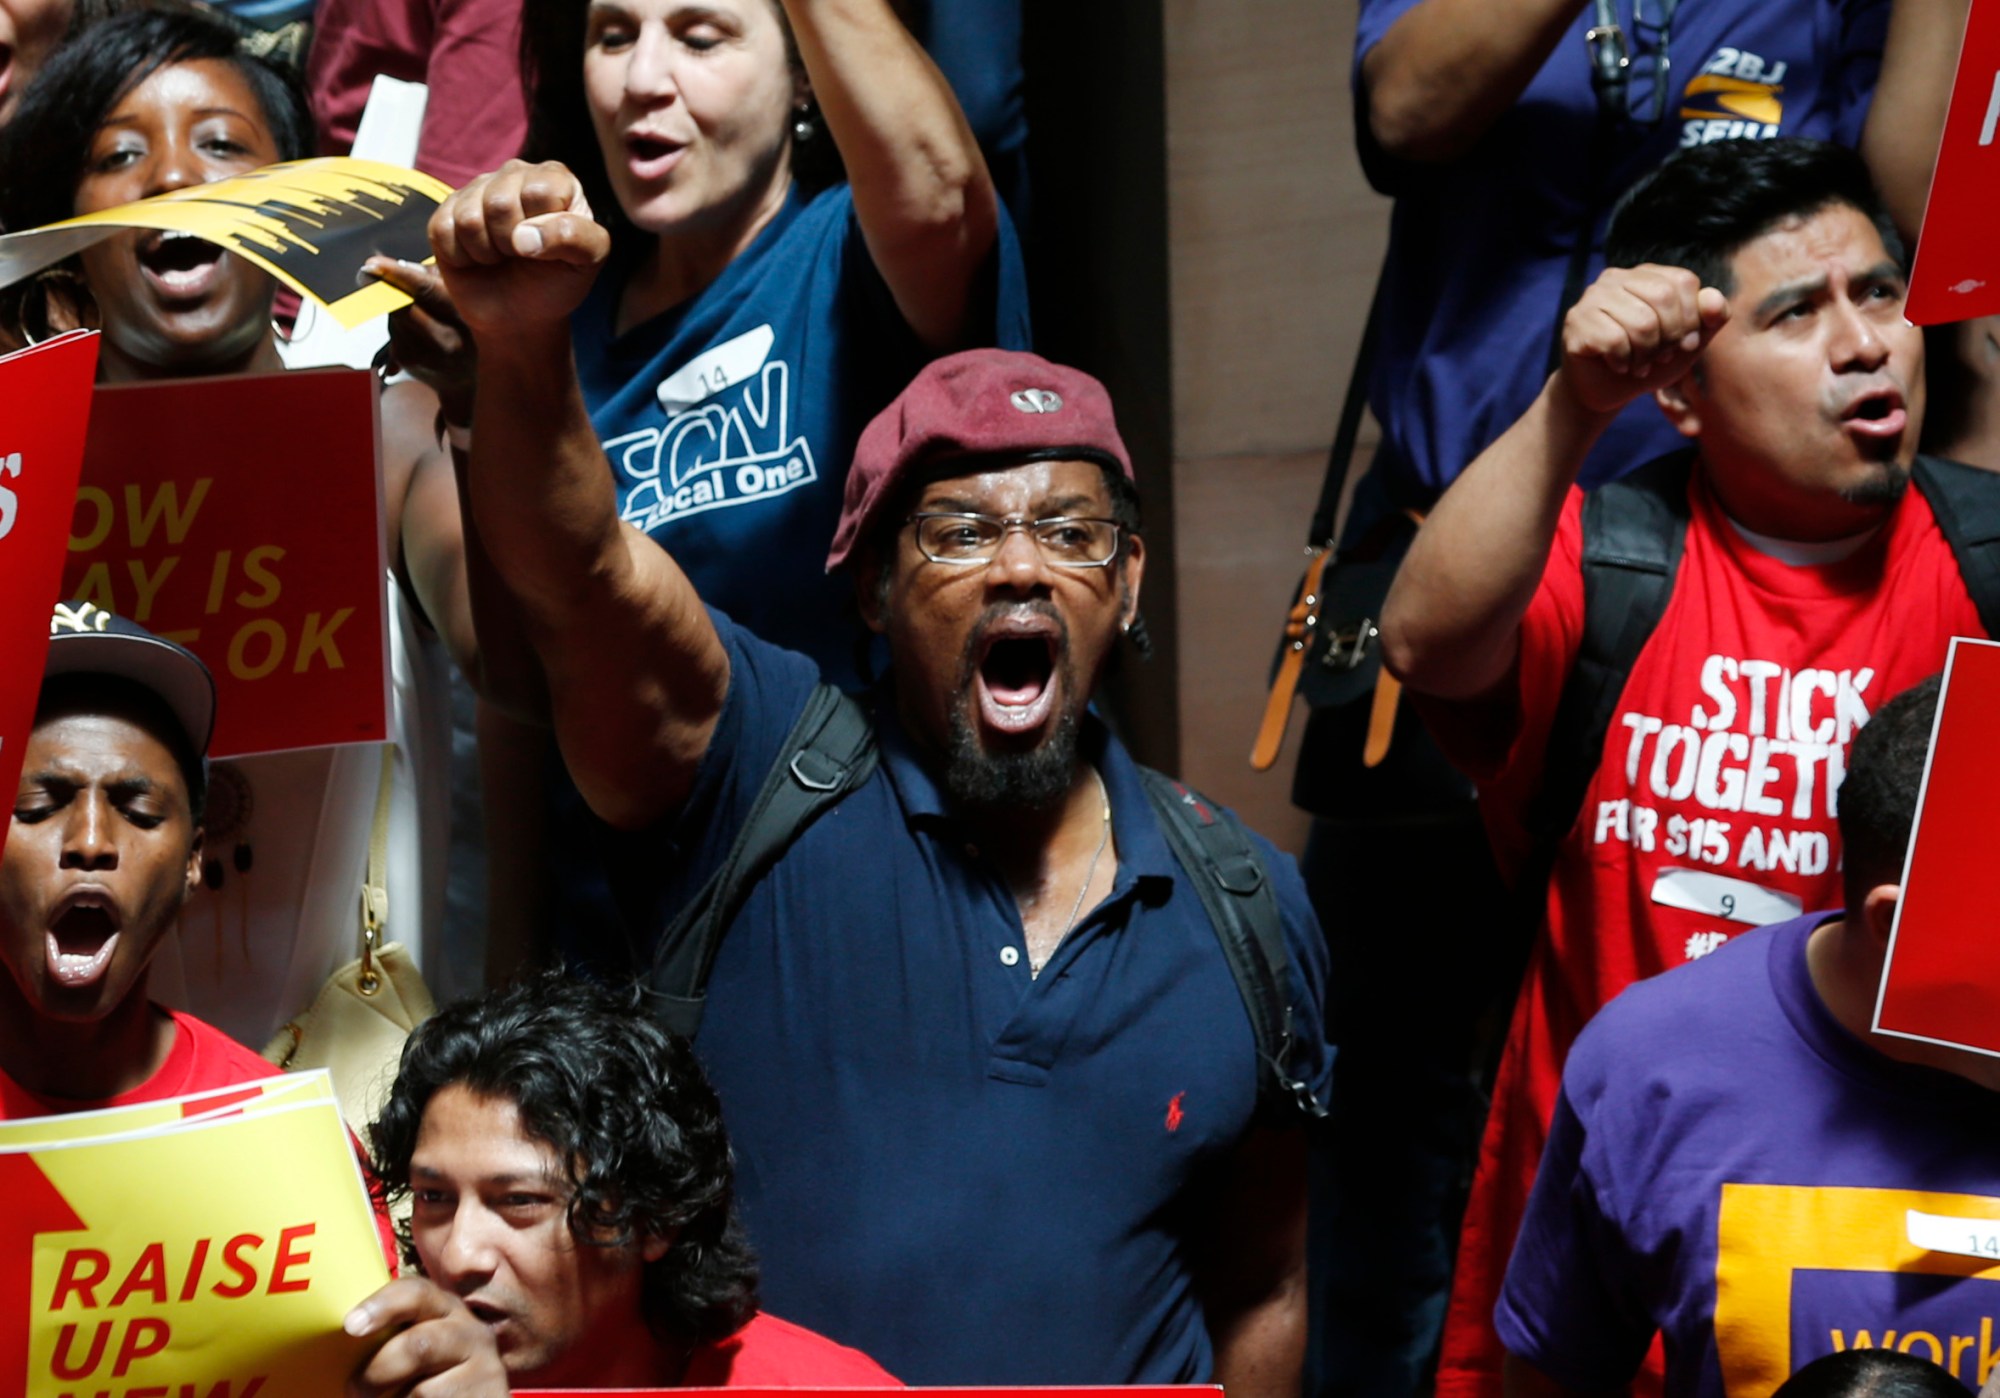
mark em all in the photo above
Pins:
pixel 1712 810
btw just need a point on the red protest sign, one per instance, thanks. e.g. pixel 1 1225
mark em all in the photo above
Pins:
pixel 46 393
pixel 1941 982
pixel 1957 274
pixel 242 517
pixel 1186 1390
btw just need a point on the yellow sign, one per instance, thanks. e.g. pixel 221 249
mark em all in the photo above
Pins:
pixel 215 1254
pixel 1770 1235
pixel 309 223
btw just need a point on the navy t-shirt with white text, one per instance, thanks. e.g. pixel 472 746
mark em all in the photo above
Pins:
pixel 730 420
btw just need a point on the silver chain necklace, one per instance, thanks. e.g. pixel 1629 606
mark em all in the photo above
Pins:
pixel 1103 839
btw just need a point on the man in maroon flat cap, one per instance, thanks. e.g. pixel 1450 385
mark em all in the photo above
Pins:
pixel 999 1107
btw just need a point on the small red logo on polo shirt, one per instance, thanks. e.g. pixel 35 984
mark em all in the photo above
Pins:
pixel 1174 1113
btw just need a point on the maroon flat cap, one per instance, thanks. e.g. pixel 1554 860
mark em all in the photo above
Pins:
pixel 982 406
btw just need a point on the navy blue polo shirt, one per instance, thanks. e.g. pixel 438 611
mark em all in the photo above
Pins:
pixel 974 1176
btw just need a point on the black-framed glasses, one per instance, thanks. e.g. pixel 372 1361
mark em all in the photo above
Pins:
pixel 1614 64
pixel 1066 541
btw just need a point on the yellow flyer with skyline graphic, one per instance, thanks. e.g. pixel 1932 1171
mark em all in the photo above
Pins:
pixel 218 1256
pixel 309 223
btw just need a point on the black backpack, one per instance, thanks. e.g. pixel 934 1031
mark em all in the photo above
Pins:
pixel 1634 531
pixel 831 751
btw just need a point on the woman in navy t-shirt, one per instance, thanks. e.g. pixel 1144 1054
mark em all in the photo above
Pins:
pixel 754 314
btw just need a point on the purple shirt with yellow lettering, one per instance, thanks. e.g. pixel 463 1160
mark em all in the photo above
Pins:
pixel 1730 1168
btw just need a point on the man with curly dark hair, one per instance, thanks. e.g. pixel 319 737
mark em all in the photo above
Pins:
pixel 570 1183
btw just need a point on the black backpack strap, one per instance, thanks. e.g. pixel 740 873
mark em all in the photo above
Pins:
pixel 1634 531
pixel 829 752
pixel 1966 501
pixel 1225 869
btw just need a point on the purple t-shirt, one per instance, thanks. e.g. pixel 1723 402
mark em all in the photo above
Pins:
pixel 1732 1169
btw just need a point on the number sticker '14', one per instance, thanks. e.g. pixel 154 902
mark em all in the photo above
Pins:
pixel 1964 1237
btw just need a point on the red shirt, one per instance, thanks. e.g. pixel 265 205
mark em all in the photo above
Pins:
pixel 201 1058
pixel 466 51
pixel 765 1353
pixel 1711 812
pixel 773 1353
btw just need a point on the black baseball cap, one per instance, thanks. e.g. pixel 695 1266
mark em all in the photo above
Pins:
pixel 85 639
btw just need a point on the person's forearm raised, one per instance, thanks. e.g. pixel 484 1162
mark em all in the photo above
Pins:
pixel 1446 71
pixel 923 196
pixel 1451 624
pixel 635 671
pixel 1906 114
pixel 541 492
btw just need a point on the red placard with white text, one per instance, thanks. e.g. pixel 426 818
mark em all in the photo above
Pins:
pixel 242 517
pixel 44 409
pixel 1941 982
pixel 1957 273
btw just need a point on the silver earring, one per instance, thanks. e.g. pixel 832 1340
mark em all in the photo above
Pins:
pixel 803 129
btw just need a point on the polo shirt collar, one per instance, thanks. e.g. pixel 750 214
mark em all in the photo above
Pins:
pixel 1143 852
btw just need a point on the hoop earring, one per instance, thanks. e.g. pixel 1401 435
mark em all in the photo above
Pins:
pixel 33 304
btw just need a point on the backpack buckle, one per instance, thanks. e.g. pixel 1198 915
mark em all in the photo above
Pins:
pixel 824 776
pixel 1347 649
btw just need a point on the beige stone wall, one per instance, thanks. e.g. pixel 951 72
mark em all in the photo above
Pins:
pixel 1274 241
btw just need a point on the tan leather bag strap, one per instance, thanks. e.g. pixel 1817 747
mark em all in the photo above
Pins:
pixel 1388 693
pixel 1341 464
pixel 1299 626
pixel 1381 718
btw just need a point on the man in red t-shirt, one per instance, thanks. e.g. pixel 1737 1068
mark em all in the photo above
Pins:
pixel 104 847
pixel 570 1186
pixel 1755 291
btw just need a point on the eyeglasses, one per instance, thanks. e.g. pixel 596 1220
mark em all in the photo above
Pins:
pixel 1064 541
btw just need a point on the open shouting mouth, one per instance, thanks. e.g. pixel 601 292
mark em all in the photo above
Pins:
pixel 179 266
pixel 650 156
pixel 1018 677
pixel 82 936
pixel 1878 413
